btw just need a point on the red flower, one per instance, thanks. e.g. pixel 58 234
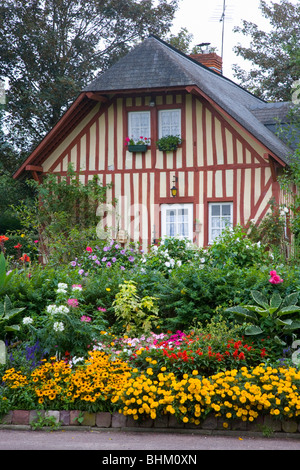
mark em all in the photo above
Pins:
pixel 18 246
pixel 3 238
pixel 25 258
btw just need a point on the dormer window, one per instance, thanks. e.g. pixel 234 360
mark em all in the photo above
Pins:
pixel 169 122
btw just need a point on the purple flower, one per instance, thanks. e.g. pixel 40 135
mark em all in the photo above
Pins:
pixel 81 271
pixel 73 263
pixel 114 260
pixel 122 267
pixel 105 248
pixel 122 252
pixel 131 259
pixel 108 264
pixel 104 259
pixel 117 246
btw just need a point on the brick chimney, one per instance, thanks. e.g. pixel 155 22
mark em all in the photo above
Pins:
pixel 210 59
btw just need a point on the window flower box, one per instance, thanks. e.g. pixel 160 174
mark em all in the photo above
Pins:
pixel 137 145
pixel 168 143
pixel 137 148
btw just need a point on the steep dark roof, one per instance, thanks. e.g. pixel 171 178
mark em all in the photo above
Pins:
pixel 155 64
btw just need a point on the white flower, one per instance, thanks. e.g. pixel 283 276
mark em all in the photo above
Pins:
pixel 179 262
pixel 58 326
pixel 52 309
pixel 61 291
pixel 167 263
pixel 62 285
pixel 63 309
pixel 27 320
pixel 202 260
pixel 77 359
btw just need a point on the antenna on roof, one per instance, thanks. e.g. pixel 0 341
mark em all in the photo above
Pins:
pixel 221 10
pixel 222 19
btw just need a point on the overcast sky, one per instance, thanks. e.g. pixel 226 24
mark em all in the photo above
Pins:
pixel 202 19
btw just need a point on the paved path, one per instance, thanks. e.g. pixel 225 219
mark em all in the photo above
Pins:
pixel 118 442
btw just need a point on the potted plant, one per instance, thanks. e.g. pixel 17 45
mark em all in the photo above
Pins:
pixel 168 143
pixel 137 145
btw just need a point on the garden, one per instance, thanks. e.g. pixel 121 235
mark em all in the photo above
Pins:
pixel 176 330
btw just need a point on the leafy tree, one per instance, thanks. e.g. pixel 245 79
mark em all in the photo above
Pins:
pixel 273 53
pixel 62 217
pixel 50 50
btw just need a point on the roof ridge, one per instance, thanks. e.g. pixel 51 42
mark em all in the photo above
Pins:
pixel 188 57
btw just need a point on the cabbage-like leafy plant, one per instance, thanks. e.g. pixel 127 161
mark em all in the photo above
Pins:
pixel 7 312
pixel 269 316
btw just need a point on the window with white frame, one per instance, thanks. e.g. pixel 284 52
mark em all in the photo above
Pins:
pixel 220 216
pixel 177 220
pixel 139 124
pixel 169 122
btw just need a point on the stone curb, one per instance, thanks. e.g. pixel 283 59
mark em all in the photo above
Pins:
pixel 106 421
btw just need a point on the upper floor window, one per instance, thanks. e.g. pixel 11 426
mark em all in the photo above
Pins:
pixel 169 122
pixel 139 124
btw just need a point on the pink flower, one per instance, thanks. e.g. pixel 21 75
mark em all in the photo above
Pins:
pixel 73 302
pixel 102 309
pixel 85 318
pixel 275 278
pixel 89 249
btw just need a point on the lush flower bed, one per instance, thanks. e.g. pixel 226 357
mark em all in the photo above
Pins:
pixel 148 334
pixel 103 383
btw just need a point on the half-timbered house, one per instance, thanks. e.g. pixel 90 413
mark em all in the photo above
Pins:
pixel 223 171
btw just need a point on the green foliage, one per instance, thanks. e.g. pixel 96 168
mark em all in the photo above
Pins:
pixel 45 421
pixel 171 253
pixel 168 143
pixel 4 275
pixel 272 229
pixel 274 65
pixel 136 315
pixel 235 248
pixel 50 51
pixel 266 316
pixel 63 216
pixel 7 313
